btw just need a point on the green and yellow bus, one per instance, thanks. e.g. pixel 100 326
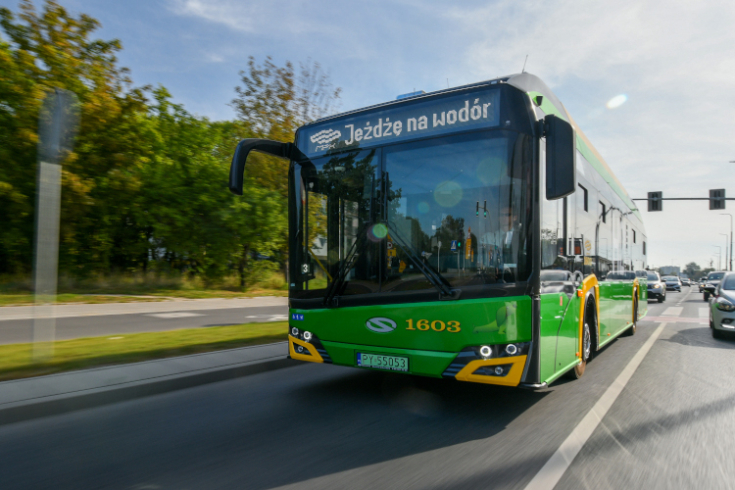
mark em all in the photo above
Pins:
pixel 471 233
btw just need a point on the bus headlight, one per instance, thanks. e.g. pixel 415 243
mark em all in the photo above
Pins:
pixel 294 331
pixel 307 336
pixel 724 305
pixel 486 352
pixel 511 349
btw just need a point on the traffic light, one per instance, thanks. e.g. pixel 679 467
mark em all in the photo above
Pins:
pixel 477 209
pixel 654 201
pixel 717 199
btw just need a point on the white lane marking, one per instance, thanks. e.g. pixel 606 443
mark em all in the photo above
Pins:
pixel 277 318
pixel 704 313
pixel 556 466
pixel 175 314
pixel 673 311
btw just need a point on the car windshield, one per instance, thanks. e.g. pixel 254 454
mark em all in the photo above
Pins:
pixel 386 219
pixel 715 276
pixel 652 276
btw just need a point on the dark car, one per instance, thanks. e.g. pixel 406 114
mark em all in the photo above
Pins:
pixel 673 283
pixel 656 287
pixel 711 283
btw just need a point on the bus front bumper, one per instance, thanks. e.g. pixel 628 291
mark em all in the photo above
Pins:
pixel 462 366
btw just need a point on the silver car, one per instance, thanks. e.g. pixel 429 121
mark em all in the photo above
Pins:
pixel 722 308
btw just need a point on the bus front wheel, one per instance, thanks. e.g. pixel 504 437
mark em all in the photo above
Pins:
pixel 579 369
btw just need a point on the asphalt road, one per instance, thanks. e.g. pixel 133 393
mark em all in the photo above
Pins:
pixel 16 331
pixel 317 426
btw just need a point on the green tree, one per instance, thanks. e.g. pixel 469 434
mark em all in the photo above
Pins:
pixel 53 49
pixel 692 270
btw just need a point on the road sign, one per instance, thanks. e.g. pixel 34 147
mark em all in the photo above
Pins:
pixel 453 247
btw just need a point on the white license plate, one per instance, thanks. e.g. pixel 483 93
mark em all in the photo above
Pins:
pixel 378 361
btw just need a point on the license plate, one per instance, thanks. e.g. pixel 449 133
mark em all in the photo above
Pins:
pixel 378 361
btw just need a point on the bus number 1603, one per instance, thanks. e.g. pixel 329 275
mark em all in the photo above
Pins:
pixel 436 325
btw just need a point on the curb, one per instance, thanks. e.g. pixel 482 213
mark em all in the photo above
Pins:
pixel 60 404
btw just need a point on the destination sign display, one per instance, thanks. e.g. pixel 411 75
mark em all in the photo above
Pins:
pixel 471 110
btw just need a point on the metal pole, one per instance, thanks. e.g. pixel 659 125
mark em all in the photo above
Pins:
pixel 730 215
pixel 725 248
pixel 719 257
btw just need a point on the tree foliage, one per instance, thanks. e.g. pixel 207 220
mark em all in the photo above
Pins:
pixel 145 187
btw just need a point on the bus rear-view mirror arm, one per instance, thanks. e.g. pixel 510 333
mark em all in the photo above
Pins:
pixel 561 146
pixel 275 148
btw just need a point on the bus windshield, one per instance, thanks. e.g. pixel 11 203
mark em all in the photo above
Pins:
pixel 457 206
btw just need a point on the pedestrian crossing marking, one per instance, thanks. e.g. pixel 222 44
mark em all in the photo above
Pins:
pixel 673 311
pixel 704 313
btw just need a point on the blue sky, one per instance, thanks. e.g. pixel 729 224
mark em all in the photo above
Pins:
pixel 675 61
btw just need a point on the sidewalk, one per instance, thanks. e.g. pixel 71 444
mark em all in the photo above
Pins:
pixel 30 398
pixel 80 310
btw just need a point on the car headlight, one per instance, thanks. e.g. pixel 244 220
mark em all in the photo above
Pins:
pixel 724 305
pixel 656 286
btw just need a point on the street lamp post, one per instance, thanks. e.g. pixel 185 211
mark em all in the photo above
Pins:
pixel 725 248
pixel 719 257
pixel 730 215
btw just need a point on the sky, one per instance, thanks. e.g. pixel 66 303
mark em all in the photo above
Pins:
pixel 647 81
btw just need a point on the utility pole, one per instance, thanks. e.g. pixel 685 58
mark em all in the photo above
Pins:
pixel 730 215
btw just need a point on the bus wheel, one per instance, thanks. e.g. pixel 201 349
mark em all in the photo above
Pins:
pixel 579 369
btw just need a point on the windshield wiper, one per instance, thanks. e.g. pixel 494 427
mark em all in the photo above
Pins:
pixel 436 279
pixel 347 264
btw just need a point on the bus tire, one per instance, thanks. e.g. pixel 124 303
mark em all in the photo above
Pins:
pixel 587 338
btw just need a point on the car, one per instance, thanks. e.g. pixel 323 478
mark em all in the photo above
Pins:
pixel 711 282
pixel 656 287
pixel 701 283
pixel 673 283
pixel 685 282
pixel 722 308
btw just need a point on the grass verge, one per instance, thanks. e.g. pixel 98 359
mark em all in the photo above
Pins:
pixel 69 355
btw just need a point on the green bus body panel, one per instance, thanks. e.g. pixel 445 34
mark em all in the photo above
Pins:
pixel 481 321
pixel 559 333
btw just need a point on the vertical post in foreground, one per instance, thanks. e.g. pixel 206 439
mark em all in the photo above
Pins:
pixel 57 126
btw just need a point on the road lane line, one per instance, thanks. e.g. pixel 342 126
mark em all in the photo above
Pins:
pixel 704 313
pixel 682 300
pixel 673 311
pixel 175 314
pixel 556 466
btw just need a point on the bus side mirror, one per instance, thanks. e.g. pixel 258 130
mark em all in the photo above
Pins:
pixel 237 167
pixel 561 146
